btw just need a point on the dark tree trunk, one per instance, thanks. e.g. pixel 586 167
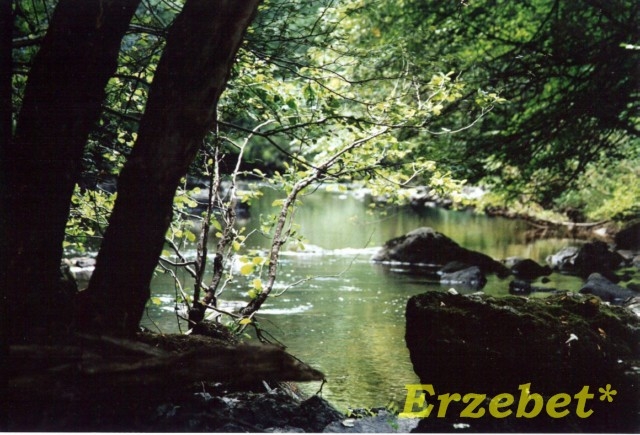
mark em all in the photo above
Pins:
pixel 6 27
pixel 181 109
pixel 62 102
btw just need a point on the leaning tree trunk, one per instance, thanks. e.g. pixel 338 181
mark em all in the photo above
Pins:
pixel 181 109
pixel 61 104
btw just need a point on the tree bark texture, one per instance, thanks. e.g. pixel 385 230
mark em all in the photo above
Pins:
pixel 181 109
pixel 62 102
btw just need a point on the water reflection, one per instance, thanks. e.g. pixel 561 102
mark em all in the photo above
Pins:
pixel 348 320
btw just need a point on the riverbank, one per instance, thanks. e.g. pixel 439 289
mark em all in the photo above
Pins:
pixel 570 223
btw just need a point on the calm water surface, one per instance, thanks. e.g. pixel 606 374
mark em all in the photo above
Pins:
pixel 348 319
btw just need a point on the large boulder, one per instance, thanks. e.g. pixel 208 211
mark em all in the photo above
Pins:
pixel 560 344
pixel 594 257
pixel 425 246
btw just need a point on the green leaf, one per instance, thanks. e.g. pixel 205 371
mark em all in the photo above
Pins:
pixel 190 236
pixel 309 94
pixel 246 269
pixel 257 284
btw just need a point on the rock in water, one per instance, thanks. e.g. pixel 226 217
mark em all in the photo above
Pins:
pixel 427 246
pixel 480 344
pixel 596 257
pixel 563 260
pixel 469 278
pixel 600 286
pixel 529 269
pixel 587 259
pixel 629 238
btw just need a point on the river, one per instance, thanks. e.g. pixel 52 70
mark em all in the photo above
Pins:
pixel 347 319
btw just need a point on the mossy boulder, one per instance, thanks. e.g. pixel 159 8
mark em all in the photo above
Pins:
pixel 559 344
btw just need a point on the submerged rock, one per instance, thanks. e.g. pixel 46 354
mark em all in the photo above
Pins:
pixel 429 247
pixel 469 277
pixel 523 288
pixel 600 286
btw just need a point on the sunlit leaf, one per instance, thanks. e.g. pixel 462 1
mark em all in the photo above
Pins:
pixel 258 260
pixel 190 236
pixel 257 284
pixel 246 269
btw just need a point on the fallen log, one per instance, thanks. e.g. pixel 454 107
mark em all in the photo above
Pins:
pixel 103 366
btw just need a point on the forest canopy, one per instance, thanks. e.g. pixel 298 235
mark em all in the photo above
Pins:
pixel 545 92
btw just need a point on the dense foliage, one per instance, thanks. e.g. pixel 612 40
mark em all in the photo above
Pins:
pixel 325 74
pixel 568 71
pixel 534 100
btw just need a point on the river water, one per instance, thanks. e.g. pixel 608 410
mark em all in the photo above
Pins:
pixel 347 319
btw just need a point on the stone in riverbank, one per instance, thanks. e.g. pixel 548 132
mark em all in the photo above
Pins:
pixel 429 247
pixel 479 344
